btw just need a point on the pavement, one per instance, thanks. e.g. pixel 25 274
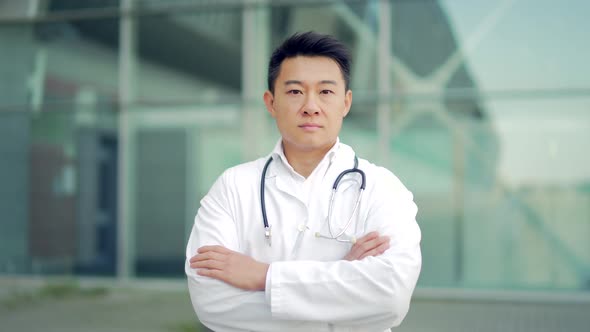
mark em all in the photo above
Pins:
pixel 107 305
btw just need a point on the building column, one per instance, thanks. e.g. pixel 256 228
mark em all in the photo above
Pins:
pixel 126 206
pixel 255 53
pixel 17 67
pixel 384 82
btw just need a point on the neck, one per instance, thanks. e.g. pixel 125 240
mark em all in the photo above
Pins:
pixel 304 162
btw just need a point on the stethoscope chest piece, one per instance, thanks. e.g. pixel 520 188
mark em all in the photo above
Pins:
pixel 268 235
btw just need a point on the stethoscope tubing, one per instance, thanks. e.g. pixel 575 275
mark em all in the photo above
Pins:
pixel 262 200
pixel 355 169
pixel 356 205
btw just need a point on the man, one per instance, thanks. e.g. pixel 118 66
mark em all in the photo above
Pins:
pixel 305 262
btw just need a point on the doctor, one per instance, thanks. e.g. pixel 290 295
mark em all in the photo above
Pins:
pixel 322 264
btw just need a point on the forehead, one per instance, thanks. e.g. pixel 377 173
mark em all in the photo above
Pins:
pixel 310 69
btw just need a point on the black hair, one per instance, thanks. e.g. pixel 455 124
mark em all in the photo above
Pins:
pixel 309 44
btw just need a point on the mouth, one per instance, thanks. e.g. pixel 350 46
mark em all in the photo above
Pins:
pixel 310 126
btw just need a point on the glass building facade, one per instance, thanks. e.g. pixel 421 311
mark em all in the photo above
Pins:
pixel 117 116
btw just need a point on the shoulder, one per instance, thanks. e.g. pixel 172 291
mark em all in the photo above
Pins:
pixel 237 180
pixel 243 173
pixel 382 179
pixel 377 177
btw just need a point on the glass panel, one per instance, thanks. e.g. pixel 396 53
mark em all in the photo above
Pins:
pixel 533 222
pixel 184 58
pixel 188 57
pixel 60 122
pixel 490 134
pixel 15 69
pixel 72 6
pixel 488 127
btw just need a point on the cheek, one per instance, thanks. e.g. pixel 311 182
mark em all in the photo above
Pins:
pixel 283 122
pixel 294 106
pixel 288 106
pixel 337 125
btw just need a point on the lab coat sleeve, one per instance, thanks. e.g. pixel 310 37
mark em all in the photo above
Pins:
pixel 218 305
pixel 374 292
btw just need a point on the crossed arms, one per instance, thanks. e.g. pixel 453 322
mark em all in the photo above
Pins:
pixel 369 288
pixel 246 273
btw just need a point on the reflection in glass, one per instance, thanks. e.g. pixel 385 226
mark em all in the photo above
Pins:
pixel 489 132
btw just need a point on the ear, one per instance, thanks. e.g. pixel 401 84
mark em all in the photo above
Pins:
pixel 347 103
pixel 269 102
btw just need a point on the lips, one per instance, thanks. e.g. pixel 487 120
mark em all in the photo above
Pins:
pixel 310 126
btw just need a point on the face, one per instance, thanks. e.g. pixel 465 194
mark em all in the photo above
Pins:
pixel 309 103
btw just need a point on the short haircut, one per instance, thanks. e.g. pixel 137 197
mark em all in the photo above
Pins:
pixel 309 44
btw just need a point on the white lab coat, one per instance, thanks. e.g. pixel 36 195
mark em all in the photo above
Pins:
pixel 309 287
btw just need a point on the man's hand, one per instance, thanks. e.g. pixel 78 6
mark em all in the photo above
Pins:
pixel 369 245
pixel 231 267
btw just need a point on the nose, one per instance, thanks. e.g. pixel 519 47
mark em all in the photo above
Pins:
pixel 311 107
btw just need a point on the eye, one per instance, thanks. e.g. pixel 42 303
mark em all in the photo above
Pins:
pixel 326 92
pixel 294 92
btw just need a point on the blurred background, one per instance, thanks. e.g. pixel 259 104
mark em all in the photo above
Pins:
pixel 116 116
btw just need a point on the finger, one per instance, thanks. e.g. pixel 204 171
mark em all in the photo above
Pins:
pixel 360 250
pixel 372 244
pixel 381 240
pixel 209 264
pixel 354 253
pixel 376 252
pixel 211 273
pixel 367 237
pixel 207 255
pixel 359 246
pixel 219 249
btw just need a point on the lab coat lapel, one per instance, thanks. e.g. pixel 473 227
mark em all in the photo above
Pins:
pixel 278 175
pixel 342 161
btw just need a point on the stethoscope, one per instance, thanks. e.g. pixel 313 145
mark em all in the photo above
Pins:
pixel 337 237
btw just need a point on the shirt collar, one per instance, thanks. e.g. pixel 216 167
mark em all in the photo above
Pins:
pixel 279 154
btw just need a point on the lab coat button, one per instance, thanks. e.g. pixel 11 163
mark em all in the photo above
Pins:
pixel 301 227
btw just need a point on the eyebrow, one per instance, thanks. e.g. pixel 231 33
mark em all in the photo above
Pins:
pixel 289 82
